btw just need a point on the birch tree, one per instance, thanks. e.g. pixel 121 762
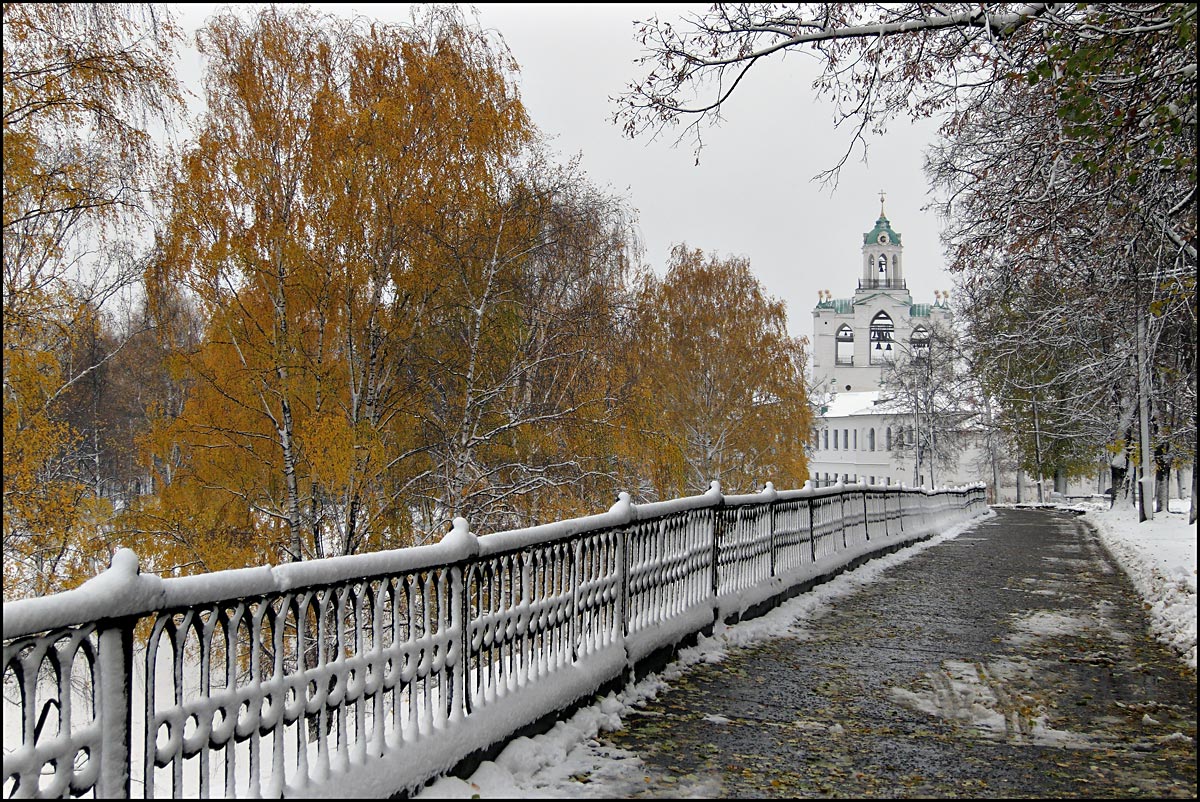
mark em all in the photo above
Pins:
pixel 305 222
pixel 520 353
pixel 721 380
pixel 84 86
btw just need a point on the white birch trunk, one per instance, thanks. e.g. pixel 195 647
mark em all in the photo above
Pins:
pixel 1146 481
pixel 1037 452
pixel 1192 506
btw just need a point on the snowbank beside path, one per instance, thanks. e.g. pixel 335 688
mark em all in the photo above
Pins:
pixel 1159 557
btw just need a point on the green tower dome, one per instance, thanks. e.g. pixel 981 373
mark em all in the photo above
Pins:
pixel 882 226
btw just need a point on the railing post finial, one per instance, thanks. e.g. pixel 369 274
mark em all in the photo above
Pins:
pixel 461 538
pixel 125 561
pixel 624 507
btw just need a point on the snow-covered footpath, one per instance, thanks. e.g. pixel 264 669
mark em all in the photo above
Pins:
pixel 1159 556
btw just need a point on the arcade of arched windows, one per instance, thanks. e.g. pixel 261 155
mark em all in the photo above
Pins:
pixel 848 439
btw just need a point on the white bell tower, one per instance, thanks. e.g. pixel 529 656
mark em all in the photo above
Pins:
pixel 883 268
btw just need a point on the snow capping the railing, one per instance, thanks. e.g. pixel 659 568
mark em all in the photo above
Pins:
pixel 122 591
pixel 528 704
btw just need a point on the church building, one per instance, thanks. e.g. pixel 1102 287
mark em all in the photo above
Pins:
pixel 857 338
pixel 861 433
pixel 864 431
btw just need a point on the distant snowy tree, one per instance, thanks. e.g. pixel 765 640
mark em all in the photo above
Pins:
pixel 928 385
pixel 522 353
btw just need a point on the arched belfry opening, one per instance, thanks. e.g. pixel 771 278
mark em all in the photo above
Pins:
pixel 920 343
pixel 845 346
pixel 882 331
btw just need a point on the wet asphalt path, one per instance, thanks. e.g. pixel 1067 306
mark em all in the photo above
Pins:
pixel 1011 661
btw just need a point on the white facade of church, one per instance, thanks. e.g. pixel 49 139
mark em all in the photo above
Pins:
pixel 860 435
pixel 861 432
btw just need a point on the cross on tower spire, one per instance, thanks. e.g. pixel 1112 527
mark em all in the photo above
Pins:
pixel 881 214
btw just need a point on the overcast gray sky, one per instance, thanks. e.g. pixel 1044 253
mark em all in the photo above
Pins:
pixel 751 193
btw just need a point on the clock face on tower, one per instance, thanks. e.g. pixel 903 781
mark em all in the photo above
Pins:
pixel 883 238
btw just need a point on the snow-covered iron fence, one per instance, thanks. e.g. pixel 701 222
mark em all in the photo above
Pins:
pixel 368 674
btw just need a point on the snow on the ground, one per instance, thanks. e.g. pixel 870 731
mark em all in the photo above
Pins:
pixel 1159 556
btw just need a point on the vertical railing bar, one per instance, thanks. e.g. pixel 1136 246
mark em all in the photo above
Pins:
pixel 623 598
pixel 115 659
pixel 554 632
pixel 812 531
pixel 256 621
pixel 771 529
pixel 484 669
pixel 446 610
pixel 574 630
pixel 462 683
pixel 231 684
pixel 717 519
pixel 475 612
pixel 379 698
pixel 324 759
pixel 148 742
pixel 427 594
pixel 278 625
pixel 535 635
pixel 505 590
pixel 527 596
pixel 300 605
pixel 28 682
pixel 507 665
pixel 866 517
pixel 842 499
pixel 545 637
pixel 206 690
pixel 177 656
pixel 358 648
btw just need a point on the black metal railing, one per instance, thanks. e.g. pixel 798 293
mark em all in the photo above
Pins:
pixel 882 284
pixel 354 673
